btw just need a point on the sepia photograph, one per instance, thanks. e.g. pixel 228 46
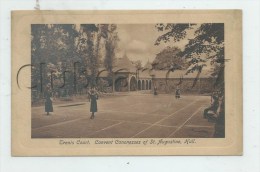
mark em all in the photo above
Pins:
pixel 129 86
pixel 161 80
pixel 127 83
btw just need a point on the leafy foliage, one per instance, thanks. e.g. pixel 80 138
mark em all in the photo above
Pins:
pixel 169 59
pixel 205 47
pixel 67 58
pixel 171 33
pixel 138 64
pixel 111 46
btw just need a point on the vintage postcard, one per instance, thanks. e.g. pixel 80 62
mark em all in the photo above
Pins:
pixel 127 83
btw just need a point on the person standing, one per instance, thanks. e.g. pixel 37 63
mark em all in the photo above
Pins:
pixel 93 103
pixel 155 91
pixel 178 93
pixel 48 102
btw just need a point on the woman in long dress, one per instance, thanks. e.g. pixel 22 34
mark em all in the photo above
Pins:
pixel 48 103
pixel 93 103
pixel 155 91
pixel 178 93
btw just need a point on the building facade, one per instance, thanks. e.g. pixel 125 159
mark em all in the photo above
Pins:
pixel 126 77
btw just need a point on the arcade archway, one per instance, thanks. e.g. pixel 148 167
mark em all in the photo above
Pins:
pixel 139 85
pixel 150 85
pixel 121 84
pixel 133 84
pixel 143 85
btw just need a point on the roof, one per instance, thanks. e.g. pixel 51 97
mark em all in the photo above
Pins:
pixel 180 73
pixel 124 64
pixel 159 73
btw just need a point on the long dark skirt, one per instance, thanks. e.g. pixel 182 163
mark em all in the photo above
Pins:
pixel 48 106
pixel 93 106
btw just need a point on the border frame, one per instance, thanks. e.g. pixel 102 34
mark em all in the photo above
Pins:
pixel 22 145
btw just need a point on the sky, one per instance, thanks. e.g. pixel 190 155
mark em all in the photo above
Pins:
pixel 137 40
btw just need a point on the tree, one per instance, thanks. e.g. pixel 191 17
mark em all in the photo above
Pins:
pixel 137 64
pixel 60 53
pixel 207 45
pixel 110 46
pixel 91 58
pixel 53 49
pixel 168 58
